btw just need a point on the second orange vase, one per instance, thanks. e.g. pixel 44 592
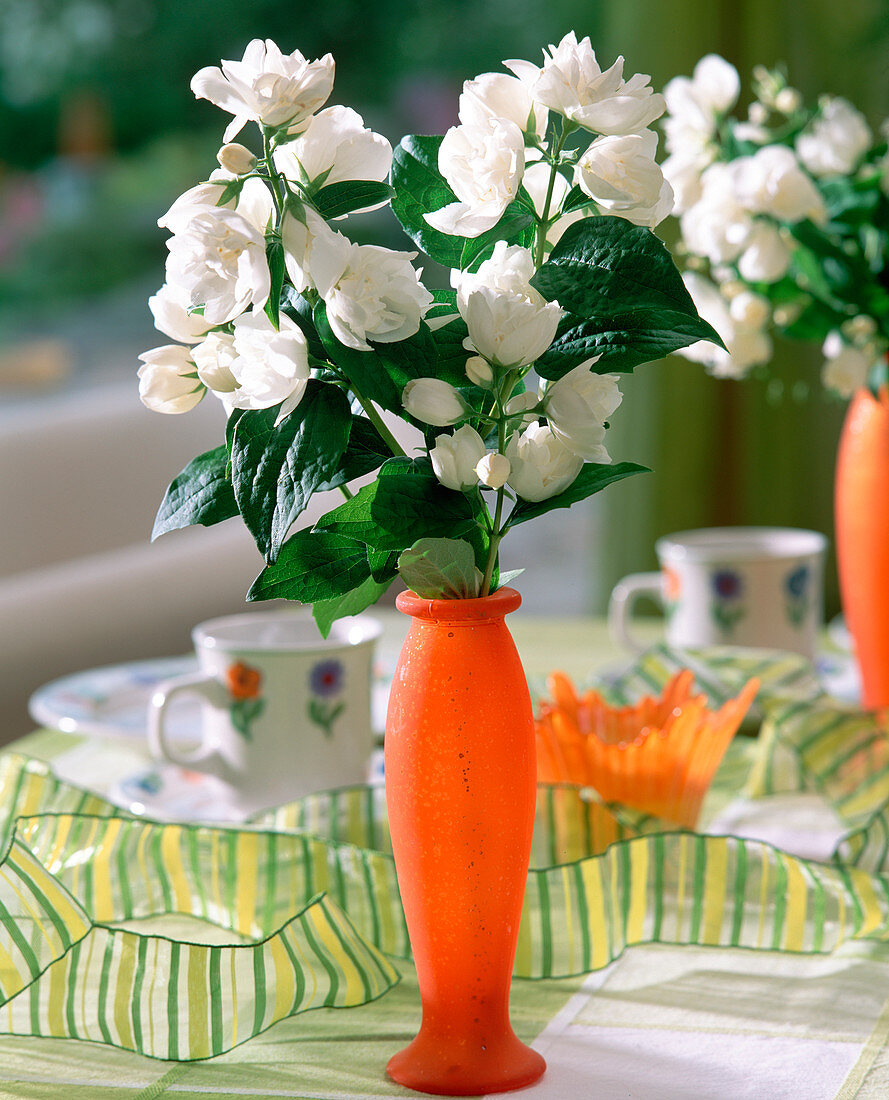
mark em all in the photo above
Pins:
pixel 862 538
pixel 460 789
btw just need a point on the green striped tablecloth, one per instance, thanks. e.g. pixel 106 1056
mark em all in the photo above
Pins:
pixel 740 1020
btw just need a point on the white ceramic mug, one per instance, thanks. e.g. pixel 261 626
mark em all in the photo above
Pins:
pixel 284 711
pixel 743 586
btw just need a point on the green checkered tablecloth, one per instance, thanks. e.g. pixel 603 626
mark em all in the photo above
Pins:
pixel 699 1005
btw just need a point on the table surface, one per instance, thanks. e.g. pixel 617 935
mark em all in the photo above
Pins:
pixel 661 1022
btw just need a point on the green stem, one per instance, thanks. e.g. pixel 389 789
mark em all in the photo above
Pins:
pixel 496 530
pixel 543 222
pixel 374 417
pixel 274 178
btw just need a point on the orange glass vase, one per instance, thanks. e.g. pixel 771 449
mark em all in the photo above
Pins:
pixel 460 790
pixel 861 516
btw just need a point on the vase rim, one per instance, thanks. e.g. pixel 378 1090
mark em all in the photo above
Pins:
pixel 495 606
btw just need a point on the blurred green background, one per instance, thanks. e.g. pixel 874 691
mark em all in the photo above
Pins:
pixel 99 133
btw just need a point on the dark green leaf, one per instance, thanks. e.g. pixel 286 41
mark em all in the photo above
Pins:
pixel 516 226
pixel 631 340
pixel 275 470
pixel 576 199
pixel 338 199
pixel 362 368
pixel 202 494
pixel 406 502
pixel 420 189
pixel 619 283
pixel 355 601
pixel 383 564
pixel 299 309
pixel 592 478
pixel 274 252
pixel 313 565
pixel 366 451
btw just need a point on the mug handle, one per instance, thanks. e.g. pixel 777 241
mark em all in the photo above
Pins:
pixel 623 598
pixel 204 756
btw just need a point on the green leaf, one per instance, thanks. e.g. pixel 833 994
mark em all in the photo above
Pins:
pixel 441 569
pixel 275 470
pixel 383 564
pixel 361 368
pixel 420 189
pixel 274 252
pixel 516 226
pixel 576 199
pixel 405 502
pixel 299 310
pixel 633 339
pixel 201 493
pixel 326 612
pixel 365 451
pixel 338 199
pixel 313 565
pixel 623 292
pixel 593 477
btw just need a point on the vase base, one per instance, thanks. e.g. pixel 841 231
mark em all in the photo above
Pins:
pixel 463 1069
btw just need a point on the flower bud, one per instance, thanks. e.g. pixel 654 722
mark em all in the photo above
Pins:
pixel 521 403
pixel 788 100
pixel 236 158
pixel 455 458
pixel 434 401
pixel 540 465
pixel 479 372
pixel 493 470
pixel 168 381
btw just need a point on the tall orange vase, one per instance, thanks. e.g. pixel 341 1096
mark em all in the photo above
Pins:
pixel 862 538
pixel 460 790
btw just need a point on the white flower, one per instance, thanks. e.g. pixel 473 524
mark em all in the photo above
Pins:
pixel 236 158
pixel 766 257
pixel 572 83
pixel 834 143
pixel 170 309
pixel 749 311
pixel 214 357
pixel 716 83
pixel 846 368
pixel 335 142
pixel 747 346
pixel 509 330
pixel 684 178
pixel 271 365
pixel 509 268
pixel 266 86
pixel 218 260
pixel 483 166
pixel 493 470
pixel 371 293
pixel 536 183
pixel 479 372
pixel 496 95
pixel 455 457
pixel 540 464
pixel 772 182
pixel 168 382
pixel 202 194
pixel 521 403
pixel 621 174
pixel 577 407
pixel 717 226
pixel 434 401
pixel 300 236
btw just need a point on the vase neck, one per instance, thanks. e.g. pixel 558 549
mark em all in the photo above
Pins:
pixel 466 612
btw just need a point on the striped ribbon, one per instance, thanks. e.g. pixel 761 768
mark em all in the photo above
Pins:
pixel 76 883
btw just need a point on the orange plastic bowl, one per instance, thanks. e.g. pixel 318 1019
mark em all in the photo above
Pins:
pixel 658 756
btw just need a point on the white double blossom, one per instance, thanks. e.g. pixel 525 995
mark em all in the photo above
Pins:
pixel 571 82
pixel 371 293
pixel 540 463
pixel 218 260
pixel 338 146
pixel 772 182
pixel 270 365
pixel 622 176
pixel 483 164
pixel 834 143
pixel 266 86
pixel 577 407
pixel 498 95
pixel 510 323
pixel 171 309
pixel 168 381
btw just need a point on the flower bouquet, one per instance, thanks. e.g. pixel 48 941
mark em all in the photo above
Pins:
pixel 784 220
pixel 340 372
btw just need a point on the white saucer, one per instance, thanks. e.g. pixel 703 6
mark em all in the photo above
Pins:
pixel 167 792
pixel 113 701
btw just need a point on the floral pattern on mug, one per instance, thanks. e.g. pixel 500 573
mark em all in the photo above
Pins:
pixel 672 583
pixel 244 684
pixel 796 592
pixel 728 590
pixel 326 682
